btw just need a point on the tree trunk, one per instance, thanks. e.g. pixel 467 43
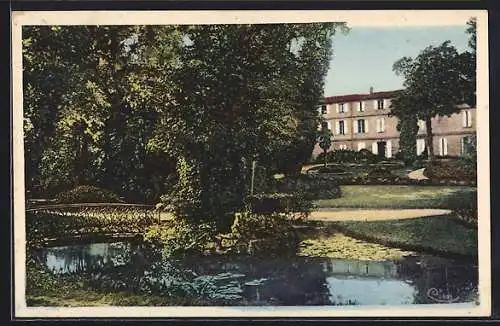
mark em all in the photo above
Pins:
pixel 429 139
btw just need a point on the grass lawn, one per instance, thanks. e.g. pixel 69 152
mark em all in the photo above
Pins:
pixel 395 196
pixel 437 233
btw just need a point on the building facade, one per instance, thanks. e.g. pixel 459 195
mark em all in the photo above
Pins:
pixel 362 121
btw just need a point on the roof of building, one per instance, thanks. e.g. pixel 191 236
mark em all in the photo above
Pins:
pixel 360 97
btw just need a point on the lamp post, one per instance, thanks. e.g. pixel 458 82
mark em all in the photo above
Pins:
pixel 253 177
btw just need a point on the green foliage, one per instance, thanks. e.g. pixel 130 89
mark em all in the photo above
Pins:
pixel 348 156
pixel 451 169
pixel 408 129
pixel 381 173
pixel 436 82
pixel 269 234
pixel 181 238
pixel 248 226
pixel 402 196
pixel 125 107
pixel 242 95
pixel 468 216
pixel 86 118
pixel 470 151
pixel 308 187
pixel 88 194
pixel 285 203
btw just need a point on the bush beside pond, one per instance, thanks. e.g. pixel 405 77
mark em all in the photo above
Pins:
pixel 45 289
pixel 87 194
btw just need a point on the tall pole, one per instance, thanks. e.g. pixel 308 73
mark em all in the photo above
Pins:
pixel 253 177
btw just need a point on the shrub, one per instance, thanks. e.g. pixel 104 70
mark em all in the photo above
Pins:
pixel 381 173
pixel 467 216
pixel 309 186
pixel 181 237
pixel 347 156
pixel 279 203
pixel 451 170
pixel 268 234
pixel 88 194
pixel 327 169
pixel 418 164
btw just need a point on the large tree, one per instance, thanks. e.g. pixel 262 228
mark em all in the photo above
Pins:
pixel 87 120
pixel 240 94
pixel 127 100
pixel 436 83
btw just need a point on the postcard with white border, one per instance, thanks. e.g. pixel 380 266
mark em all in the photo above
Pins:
pixel 251 163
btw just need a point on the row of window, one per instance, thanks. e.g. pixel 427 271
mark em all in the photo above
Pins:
pixel 466 120
pixel 360 126
pixel 378 147
pixel 443 145
pixel 359 106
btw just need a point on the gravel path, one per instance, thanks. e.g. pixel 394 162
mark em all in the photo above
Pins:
pixel 350 214
pixel 417 174
pixel 374 214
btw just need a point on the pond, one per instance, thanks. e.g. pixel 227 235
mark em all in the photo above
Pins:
pixel 298 281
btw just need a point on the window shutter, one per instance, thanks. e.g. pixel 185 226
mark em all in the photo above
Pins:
pixel 374 148
pixel 375 104
pixel 346 107
pixel 382 127
pixel 346 127
pixel 464 119
pixel 388 149
pixel 354 126
pixel 385 103
pixel 469 120
pixel 337 107
pixel 337 127
pixel 329 125
pixel 366 125
pixel 445 142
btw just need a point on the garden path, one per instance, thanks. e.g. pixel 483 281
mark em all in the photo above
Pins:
pixel 346 214
pixel 417 174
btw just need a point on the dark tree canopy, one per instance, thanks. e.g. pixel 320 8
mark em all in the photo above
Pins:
pixel 173 110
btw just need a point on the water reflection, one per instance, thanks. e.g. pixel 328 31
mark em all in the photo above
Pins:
pixel 250 281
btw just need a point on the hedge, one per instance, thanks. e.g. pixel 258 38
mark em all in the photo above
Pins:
pixel 451 170
pixel 87 194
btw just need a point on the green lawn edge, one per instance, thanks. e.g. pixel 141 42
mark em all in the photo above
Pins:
pixel 439 235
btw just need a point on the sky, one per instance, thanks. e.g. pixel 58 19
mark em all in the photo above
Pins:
pixel 364 57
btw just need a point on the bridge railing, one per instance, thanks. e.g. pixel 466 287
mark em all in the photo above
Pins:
pixel 101 211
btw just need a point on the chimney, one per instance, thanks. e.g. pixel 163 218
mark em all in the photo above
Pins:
pixel 371 90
